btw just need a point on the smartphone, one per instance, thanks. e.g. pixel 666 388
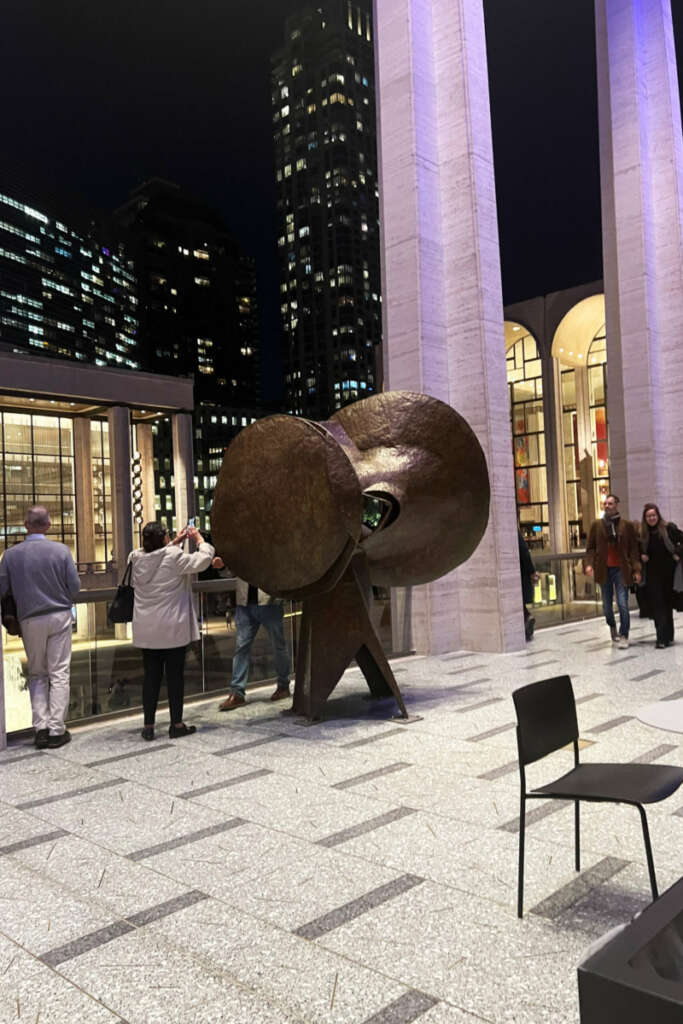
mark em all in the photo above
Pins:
pixel 190 522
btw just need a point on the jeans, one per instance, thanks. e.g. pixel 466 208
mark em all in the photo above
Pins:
pixel 248 619
pixel 612 583
pixel 156 661
pixel 47 642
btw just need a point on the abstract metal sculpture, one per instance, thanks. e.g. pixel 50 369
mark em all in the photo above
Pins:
pixel 392 490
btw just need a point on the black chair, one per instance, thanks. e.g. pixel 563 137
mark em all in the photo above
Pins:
pixel 546 722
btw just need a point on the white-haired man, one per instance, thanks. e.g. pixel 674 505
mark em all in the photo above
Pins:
pixel 42 578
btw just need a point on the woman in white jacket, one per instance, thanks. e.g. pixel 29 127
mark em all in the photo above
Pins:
pixel 164 617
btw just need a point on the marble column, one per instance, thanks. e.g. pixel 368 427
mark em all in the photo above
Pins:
pixel 145 442
pixel 442 297
pixel 85 530
pixel 122 508
pixel 183 468
pixel 641 167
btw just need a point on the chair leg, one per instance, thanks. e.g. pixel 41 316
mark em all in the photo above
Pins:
pixel 520 875
pixel 648 852
pixel 577 836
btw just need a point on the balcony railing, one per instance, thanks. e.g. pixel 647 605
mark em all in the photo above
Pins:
pixel 106 669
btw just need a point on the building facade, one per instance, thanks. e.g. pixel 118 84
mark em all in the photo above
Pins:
pixel 323 104
pixel 64 291
pixel 198 317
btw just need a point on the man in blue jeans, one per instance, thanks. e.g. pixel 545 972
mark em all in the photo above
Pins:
pixel 254 609
pixel 613 559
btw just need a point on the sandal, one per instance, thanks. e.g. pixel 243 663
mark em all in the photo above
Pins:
pixel 176 731
pixel 147 732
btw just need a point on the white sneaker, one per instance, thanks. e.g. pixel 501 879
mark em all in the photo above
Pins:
pixel 622 642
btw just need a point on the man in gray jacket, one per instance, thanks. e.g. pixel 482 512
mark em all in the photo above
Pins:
pixel 42 578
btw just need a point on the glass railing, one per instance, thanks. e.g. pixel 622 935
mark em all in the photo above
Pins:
pixel 106 669
pixel 564 593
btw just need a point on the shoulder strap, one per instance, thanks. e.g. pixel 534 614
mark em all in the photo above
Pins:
pixel 125 582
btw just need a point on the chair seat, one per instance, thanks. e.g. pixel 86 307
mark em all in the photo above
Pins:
pixel 622 783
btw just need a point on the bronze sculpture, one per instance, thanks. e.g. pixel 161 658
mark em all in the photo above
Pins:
pixel 392 490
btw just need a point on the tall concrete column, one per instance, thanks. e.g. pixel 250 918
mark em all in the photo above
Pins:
pixel 85 531
pixel 122 508
pixel 183 468
pixel 145 442
pixel 641 167
pixel 443 308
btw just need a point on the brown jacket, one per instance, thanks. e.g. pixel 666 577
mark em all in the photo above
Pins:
pixel 629 550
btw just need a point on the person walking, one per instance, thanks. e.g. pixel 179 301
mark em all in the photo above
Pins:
pixel 254 609
pixel 661 546
pixel 613 559
pixel 44 582
pixel 165 618
pixel 529 577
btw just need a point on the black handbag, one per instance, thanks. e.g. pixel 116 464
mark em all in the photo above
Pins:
pixel 121 608
pixel 8 610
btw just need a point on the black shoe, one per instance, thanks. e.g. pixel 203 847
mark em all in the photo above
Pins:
pixel 41 738
pixel 659 646
pixel 669 643
pixel 176 731
pixel 147 732
pixel 59 741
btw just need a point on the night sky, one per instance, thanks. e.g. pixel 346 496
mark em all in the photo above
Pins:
pixel 97 97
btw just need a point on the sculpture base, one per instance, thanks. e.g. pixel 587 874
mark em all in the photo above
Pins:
pixel 335 629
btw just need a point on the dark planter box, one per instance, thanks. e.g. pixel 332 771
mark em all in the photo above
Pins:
pixel 638 975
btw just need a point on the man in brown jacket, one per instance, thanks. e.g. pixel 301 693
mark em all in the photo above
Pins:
pixel 613 559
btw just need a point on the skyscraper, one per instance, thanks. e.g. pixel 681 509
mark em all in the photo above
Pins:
pixel 198 316
pixel 62 292
pixel 197 292
pixel 323 103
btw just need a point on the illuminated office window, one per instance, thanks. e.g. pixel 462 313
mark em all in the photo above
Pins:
pixel 528 439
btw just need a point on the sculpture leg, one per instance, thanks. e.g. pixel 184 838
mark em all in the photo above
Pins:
pixel 335 629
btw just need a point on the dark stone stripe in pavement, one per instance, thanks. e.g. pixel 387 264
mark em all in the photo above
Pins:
pixel 611 724
pixel 258 773
pixel 357 780
pixel 92 940
pixel 365 826
pixel 350 911
pixel 25 844
pixel 652 755
pixel 191 837
pixel 404 1010
pixel 544 811
pixel 70 793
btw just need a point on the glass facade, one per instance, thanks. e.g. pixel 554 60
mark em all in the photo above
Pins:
pixel 37 468
pixel 61 293
pixel 597 397
pixel 528 439
pixel 572 468
pixel 101 489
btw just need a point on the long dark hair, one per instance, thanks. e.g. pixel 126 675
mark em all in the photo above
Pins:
pixel 153 535
pixel 645 526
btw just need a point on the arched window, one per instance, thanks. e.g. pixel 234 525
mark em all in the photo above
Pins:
pixel 597 398
pixel 528 439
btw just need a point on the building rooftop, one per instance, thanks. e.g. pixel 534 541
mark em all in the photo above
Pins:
pixel 352 871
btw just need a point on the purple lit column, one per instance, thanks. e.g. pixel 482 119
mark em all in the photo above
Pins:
pixel 443 309
pixel 641 163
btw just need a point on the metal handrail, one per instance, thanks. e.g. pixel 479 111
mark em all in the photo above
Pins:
pixel 222 586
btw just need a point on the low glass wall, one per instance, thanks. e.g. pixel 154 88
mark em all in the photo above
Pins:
pixel 106 670
pixel 564 593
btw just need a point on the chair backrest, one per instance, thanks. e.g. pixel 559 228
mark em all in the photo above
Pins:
pixel 546 717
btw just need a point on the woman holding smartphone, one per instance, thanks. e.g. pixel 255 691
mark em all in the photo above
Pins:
pixel 164 617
